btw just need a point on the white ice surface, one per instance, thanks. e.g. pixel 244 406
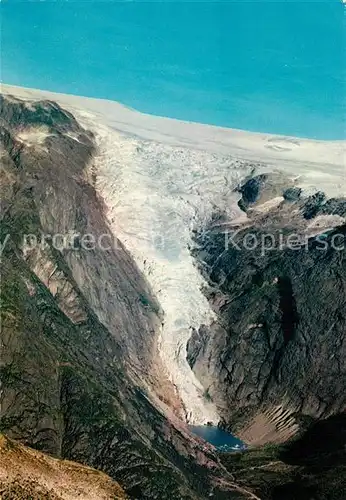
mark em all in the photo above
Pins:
pixel 156 195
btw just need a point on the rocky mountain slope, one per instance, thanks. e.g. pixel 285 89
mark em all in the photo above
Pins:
pixel 27 474
pixel 275 359
pixel 79 364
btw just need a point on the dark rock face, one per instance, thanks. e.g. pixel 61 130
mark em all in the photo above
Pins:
pixel 334 206
pixel 79 323
pixel 275 360
pixel 313 205
pixel 292 194
pixel 252 188
pixel 196 344
pixel 263 187
pixel 312 467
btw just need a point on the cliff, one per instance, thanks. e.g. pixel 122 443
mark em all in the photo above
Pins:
pixel 274 361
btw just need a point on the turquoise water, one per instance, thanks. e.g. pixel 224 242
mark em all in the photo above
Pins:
pixel 220 439
pixel 272 66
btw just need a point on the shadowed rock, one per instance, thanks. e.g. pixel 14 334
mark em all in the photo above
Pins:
pixel 276 356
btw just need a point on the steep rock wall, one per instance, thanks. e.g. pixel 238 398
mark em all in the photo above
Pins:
pixel 275 359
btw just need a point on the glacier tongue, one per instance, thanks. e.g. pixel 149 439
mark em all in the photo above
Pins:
pixel 155 195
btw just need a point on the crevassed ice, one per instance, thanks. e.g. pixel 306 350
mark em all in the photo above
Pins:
pixel 156 194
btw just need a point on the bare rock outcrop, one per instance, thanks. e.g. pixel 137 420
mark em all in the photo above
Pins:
pixel 275 359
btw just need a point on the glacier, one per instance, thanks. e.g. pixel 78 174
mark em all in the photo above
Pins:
pixel 160 179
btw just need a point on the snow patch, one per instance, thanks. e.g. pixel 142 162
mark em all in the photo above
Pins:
pixel 34 136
